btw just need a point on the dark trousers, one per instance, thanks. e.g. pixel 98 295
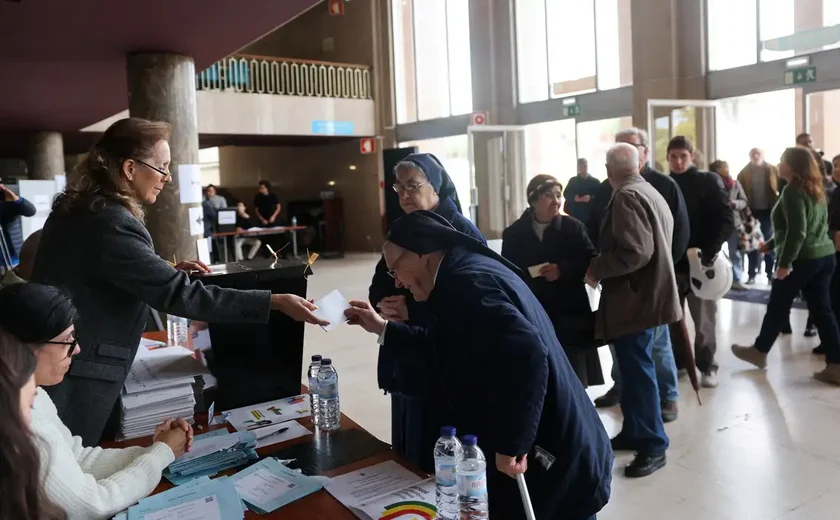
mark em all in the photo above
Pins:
pixel 640 393
pixel 813 278
pixel 835 290
pixel 763 217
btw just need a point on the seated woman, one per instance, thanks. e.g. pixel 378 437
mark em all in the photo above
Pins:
pixel 560 245
pixel 86 482
pixel 20 481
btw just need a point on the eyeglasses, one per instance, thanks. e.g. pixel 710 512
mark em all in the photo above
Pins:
pixel 71 345
pixel 411 187
pixel 166 175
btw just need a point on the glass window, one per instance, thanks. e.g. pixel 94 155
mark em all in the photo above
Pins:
pixel 614 43
pixel 460 72
pixel 531 59
pixel 403 45
pixel 594 139
pixel 733 34
pixel 776 19
pixel 431 52
pixel 550 148
pixel 452 152
pixel 570 27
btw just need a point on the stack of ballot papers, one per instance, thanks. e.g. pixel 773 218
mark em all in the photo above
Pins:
pixel 202 498
pixel 159 386
pixel 269 485
pixel 211 453
pixel 386 490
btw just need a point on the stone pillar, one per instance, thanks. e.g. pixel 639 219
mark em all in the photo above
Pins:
pixel 46 156
pixel 161 87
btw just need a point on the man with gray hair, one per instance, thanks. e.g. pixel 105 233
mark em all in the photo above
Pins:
pixel 639 294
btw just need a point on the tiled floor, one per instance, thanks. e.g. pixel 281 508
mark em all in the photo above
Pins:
pixel 763 446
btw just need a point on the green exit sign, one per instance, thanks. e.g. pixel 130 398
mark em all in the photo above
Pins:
pixel 571 110
pixel 799 76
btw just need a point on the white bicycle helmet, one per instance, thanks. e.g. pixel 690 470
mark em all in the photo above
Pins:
pixel 709 282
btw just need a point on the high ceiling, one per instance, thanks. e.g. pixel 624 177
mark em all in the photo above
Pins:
pixel 62 62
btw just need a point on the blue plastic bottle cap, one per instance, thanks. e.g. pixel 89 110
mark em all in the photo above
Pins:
pixel 469 440
pixel 326 361
pixel 447 431
pixel 316 357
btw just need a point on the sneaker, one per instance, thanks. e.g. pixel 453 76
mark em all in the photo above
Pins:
pixel 738 286
pixel 682 373
pixel 751 280
pixel 709 379
pixel 811 331
pixel 670 411
pixel 830 374
pixel 608 400
pixel 819 350
pixel 644 465
pixel 750 355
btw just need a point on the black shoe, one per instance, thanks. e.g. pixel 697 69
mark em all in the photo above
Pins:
pixel 819 350
pixel 622 443
pixel 811 331
pixel 786 329
pixel 751 280
pixel 608 400
pixel 670 411
pixel 644 465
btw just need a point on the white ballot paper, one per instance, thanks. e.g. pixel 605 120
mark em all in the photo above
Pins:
pixel 257 416
pixel 534 270
pixel 360 487
pixel 279 433
pixel 331 308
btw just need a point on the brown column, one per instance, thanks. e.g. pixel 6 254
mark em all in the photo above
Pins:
pixel 161 87
pixel 46 156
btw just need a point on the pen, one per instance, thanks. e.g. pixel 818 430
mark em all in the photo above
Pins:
pixel 281 430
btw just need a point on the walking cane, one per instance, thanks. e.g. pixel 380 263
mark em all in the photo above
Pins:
pixel 526 497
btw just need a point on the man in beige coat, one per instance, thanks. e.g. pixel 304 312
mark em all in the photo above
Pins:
pixel 760 181
pixel 636 271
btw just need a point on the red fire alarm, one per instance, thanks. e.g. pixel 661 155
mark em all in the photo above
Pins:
pixel 336 7
pixel 367 145
pixel 478 118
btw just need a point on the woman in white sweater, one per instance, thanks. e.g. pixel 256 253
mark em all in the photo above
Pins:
pixel 86 482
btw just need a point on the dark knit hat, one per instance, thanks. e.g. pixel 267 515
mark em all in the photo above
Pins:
pixel 35 313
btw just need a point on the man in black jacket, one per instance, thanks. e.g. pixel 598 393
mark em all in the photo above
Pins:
pixel 663 355
pixel 711 223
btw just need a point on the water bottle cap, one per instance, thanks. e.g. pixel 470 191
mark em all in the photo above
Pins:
pixel 447 431
pixel 316 357
pixel 326 361
pixel 469 440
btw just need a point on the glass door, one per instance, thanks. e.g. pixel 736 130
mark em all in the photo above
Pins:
pixel 692 118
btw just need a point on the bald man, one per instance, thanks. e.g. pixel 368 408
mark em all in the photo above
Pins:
pixel 639 294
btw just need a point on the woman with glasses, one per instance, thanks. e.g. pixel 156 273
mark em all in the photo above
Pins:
pixel 555 251
pixel 95 246
pixel 422 184
pixel 85 482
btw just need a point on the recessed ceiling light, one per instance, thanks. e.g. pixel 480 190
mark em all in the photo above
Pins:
pixel 352 166
pixel 331 183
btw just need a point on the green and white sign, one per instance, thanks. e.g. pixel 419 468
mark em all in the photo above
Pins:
pixel 571 110
pixel 800 76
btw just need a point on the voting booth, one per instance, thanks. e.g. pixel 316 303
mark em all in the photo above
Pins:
pixel 257 362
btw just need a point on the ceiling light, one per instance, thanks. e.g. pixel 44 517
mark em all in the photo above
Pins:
pixel 331 183
pixel 352 166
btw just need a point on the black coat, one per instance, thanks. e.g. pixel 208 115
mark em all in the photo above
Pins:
pixel 500 373
pixel 566 244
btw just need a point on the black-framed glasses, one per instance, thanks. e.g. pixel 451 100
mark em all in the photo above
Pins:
pixel 71 345
pixel 166 175
pixel 411 187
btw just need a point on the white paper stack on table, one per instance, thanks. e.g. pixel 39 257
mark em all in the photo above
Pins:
pixel 274 421
pixel 202 498
pixel 159 386
pixel 269 485
pixel 211 453
pixel 386 490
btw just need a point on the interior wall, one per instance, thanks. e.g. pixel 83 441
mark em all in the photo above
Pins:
pixel 302 172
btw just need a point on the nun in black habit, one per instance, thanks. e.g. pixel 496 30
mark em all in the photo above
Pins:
pixel 422 184
pixel 493 366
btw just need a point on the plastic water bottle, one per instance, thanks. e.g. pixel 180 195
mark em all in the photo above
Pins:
pixel 177 331
pixel 329 410
pixel 448 453
pixel 312 373
pixel 471 473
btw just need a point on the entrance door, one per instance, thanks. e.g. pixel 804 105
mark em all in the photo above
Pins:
pixel 821 121
pixel 694 119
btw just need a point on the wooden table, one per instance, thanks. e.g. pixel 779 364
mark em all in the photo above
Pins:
pixel 317 506
pixel 277 230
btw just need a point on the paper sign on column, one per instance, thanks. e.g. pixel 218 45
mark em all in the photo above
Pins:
pixel 42 202
pixel 196 221
pixel 331 308
pixel 60 183
pixel 189 182
pixel 202 248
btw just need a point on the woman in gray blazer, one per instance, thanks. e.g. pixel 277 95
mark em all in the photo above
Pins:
pixel 96 247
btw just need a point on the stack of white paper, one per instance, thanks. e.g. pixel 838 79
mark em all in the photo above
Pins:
pixel 159 386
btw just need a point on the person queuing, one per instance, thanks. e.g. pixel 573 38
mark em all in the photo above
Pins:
pixel 760 181
pixel 20 466
pixel 580 192
pixel 711 224
pixel 422 184
pixel 558 243
pixel 738 203
pixel 806 262
pixel 834 234
pixel 662 351
pixel 636 270
pixel 12 208
pixel 84 482
pixel 23 271
pixel 267 205
pixel 217 201
pixel 94 245
pixel 497 369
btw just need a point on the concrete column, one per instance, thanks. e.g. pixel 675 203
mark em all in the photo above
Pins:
pixel 161 87
pixel 46 156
